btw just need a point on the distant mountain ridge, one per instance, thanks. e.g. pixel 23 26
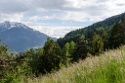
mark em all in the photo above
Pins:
pixel 88 31
pixel 19 37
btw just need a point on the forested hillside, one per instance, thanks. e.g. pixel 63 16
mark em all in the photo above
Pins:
pixel 98 27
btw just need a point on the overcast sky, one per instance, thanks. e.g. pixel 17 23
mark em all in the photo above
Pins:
pixel 57 17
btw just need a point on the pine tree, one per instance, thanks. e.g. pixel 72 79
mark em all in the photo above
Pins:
pixel 97 45
pixel 71 46
pixel 102 33
pixel 80 50
pixel 117 36
pixel 67 51
pixel 51 58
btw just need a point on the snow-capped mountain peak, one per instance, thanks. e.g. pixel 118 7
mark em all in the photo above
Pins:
pixel 8 25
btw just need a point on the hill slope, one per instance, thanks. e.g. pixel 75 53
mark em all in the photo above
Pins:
pixel 20 37
pixel 106 68
pixel 88 31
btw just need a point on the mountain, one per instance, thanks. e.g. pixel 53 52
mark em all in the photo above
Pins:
pixel 88 31
pixel 19 37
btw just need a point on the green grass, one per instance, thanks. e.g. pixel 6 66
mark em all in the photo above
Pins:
pixel 106 68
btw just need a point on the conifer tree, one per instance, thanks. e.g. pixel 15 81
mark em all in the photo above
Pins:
pixel 51 58
pixel 67 51
pixel 117 36
pixel 80 50
pixel 97 45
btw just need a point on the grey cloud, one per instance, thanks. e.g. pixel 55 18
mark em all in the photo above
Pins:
pixel 120 4
pixel 16 6
pixel 49 4
pixel 12 6
pixel 101 1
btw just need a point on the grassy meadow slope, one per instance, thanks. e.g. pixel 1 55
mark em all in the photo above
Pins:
pixel 106 68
